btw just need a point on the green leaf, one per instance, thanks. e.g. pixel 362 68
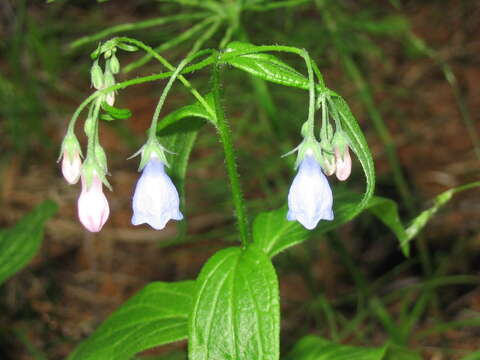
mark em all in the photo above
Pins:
pixel 395 352
pixel 359 146
pixel 273 233
pixel 265 66
pixel 236 311
pixel 316 348
pixel 419 222
pixel 116 113
pixel 268 67
pixel 178 132
pixel 473 356
pixel 21 242
pixel 387 211
pixel 193 110
pixel 155 316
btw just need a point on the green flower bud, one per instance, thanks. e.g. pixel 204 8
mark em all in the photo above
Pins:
pixel 96 75
pixel 113 64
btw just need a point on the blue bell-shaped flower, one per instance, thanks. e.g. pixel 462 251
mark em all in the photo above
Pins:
pixel 310 197
pixel 155 200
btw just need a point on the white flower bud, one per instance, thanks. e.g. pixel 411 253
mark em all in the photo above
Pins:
pixel 344 163
pixel 71 167
pixel 93 209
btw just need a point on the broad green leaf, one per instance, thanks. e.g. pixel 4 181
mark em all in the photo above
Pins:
pixel 274 233
pixel 316 348
pixel 236 311
pixel 155 316
pixel 21 242
pixel 177 132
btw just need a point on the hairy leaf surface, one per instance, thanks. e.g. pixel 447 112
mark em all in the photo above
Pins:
pixel 236 312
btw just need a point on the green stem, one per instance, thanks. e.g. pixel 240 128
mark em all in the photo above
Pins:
pixel 140 80
pixel 169 66
pixel 311 92
pixel 226 138
pixel 152 132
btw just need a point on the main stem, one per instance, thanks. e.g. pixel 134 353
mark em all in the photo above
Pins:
pixel 226 138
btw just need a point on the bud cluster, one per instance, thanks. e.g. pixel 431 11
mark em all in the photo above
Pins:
pixel 310 197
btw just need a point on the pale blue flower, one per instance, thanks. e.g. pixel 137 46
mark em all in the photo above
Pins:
pixel 310 197
pixel 155 200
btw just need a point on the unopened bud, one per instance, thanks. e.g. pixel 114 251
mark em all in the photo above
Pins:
pixel 93 209
pixel 343 162
pixel 71 167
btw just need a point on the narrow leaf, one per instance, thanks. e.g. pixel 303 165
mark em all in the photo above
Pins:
pixel 236 311
pixel 268 67
pixel 21 242
pixel 359 146
pixel 155 316
pixel 265 66
pixel 116 113
pixel 419 222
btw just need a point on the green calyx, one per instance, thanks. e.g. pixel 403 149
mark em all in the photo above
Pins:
pixel 341 142
pixel 95 165
pixel 309 146
pixel 152 148
pixel 70 147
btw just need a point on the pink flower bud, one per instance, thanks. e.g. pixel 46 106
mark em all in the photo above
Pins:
pixel 71 167
pixel 344 164
pixel 93 209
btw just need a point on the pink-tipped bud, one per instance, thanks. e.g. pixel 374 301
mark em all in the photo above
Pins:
pixel 71 167
pixel 93 209
pixel 329 165
pixel 110 98
pixel 344 164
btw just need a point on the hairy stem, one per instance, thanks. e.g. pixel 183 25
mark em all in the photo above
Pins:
pixel 226 138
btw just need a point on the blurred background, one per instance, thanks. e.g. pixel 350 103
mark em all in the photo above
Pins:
pixel 409 70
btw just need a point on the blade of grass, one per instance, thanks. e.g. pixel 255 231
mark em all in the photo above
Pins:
pixel 185 36
pixel 135 26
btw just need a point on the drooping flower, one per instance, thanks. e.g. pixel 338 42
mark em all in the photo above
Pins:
pixel 71 167
pixel 310 198
pixel 155 200
pixel 344 163
pixel 93 209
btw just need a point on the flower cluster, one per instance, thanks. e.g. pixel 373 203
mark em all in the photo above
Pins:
pixel 310 197
pixel 156 200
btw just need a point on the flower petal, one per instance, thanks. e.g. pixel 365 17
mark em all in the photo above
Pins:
pixel 310 197
pixel 155 200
